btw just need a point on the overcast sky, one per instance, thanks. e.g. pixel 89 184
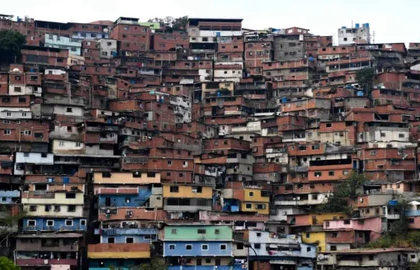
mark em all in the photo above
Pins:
pixel 392 21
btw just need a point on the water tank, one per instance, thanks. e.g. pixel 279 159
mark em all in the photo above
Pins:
pixel 16 70
pixel 357 25
pixel 360 93
pixel 283 99
pixel 311 59
pixel 367 25
pixel 343 27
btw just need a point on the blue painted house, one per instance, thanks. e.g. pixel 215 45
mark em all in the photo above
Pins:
pixel 200 247
pixel 9 196
pixel 125 197
pixel 127 235
pixel 31 224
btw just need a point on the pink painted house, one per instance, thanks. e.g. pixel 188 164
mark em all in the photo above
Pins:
pixel 373 224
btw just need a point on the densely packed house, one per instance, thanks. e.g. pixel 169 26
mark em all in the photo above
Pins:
pixel 207 146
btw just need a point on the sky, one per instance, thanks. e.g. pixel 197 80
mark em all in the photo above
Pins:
pixel 391 21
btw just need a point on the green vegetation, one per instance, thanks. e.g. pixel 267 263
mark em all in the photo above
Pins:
pixel 7 264
pixel 398 236
pixel 155 264
pixel 171 22
pixel 365 78
pixel 348 189
pixel 10 45
pixel 8 221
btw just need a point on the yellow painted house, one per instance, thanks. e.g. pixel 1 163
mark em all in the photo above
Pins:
pixel 187 191
pixel 256 200
pixel 316 238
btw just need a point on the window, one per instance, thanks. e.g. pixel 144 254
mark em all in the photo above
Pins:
pixel 331 173
pixel 411 220
pixel 71 208
pixel 47 208
pixel 333 248
pixel 373 152
pixel 204 247
pixel 111 240
pixel 32 208
pixel 251 194
pixel 401 135
pixel 347 221
pixel 68 222
pixel 201 231
pixel 83 222
pixel 69 110
pixel 216 231
pixel 172 247
pixel 173 231
pixel 18 89
pixel 188 247
pixel 223 247
pixel 328 125
pixel 22 100
pixel 371 257
pixel 78 144
pixel 197 189
pixel 129 240
pixel 71 195
pixel 334 235
pixel 239 246
pixel 174 189
pixel 260 206
pixel 169 162
pixel 248 206
pixel 7 132
pixel 317 174
pixel 50 222
pixel 308 249
pixel 31 223
pixel 258 234
pixel 257 246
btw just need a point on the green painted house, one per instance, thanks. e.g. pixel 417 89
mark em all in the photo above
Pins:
pixel 197 233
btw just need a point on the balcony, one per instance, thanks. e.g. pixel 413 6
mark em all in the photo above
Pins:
pixel 43 262
pixel 119 251
pixel 128 231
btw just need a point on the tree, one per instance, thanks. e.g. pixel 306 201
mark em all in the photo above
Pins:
pixel 348 189
pixel 10 45
pixel 7 264
pixel 180 23
pixel 352 186
pixel 171 23
pixel 155 264
pixel 9 221
pixel 365 78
